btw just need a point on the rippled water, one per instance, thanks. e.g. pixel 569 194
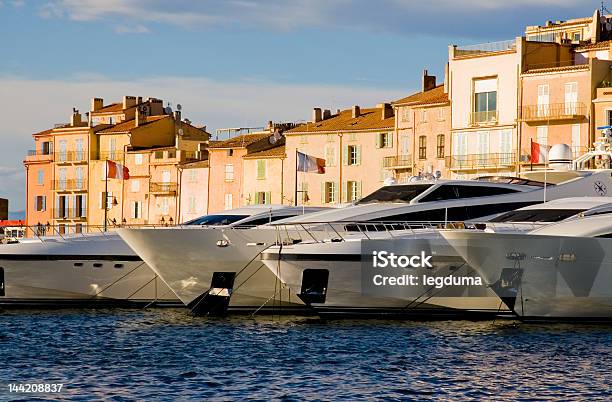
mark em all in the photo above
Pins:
pixel 168 354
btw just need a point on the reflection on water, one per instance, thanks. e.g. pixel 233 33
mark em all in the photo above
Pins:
pixel 148 354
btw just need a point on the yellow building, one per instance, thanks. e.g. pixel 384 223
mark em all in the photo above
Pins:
pixel 263 173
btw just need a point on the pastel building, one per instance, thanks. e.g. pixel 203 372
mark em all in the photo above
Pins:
pixel 354 144
pixel 423 122
pixel 263 172
pixel 194 190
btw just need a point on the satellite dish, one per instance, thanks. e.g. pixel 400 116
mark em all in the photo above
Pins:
pixel 168 110
pixel 180 132
pixel 178 106
pixel 272 140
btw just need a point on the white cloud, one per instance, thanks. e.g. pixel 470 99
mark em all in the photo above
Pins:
pixel 135 29
pixel 30 106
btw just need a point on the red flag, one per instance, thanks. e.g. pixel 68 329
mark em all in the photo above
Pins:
pixel 539 153
pixel 116 171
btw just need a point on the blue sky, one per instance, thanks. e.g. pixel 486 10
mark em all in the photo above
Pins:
pixel 231 62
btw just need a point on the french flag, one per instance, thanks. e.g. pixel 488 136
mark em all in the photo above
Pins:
pixel 307 163
pixel 539 153
pixel 116 171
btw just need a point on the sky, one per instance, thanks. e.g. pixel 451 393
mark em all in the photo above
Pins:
pixel 231 63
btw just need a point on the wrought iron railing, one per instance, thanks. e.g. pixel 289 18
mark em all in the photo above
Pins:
pixel 397 161
pixel 70 213
pixel 70 185
pixel 70 156
pixel 477 161
pixel 553 111
pixel 163 188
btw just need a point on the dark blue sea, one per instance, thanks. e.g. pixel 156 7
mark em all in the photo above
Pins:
pixel 166 354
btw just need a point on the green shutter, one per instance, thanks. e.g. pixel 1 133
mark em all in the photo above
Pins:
pixel 358 154
pixel 344 191
pixel 261 169
pixel 345 155
pixel 390 139
pixel 268 197
pixel 378 140
pixel 323 200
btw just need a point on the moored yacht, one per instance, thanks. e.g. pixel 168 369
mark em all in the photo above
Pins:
pixel 91 269
pixel 557 272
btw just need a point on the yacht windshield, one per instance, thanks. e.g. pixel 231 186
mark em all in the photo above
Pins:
pixel 537 215
pixel 216 220
pixel 395 193
pixel 455 192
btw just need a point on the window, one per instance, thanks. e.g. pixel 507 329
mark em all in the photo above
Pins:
pixel 63 151
pixel 171 153
pixel 422 147
pixel 543 100
pixel 192 176
pixel 440 116
pixel 482 144
pixel 576 36
pixel 41 177
pixel 331 137
pixel 135 185
pixel 79 178
pixel 576 140
pixel 229 172
pixel 328 192
pixel 384 140
pixel 423 116
pixel 229 152
pixel 406 114
pixel 106 201
pixel 228 201
pixel 113 149
pixel 40 203
pixel 61 207
pixel 261 169
pixel 191 204
pixel 571 98
pixel 164 205
pixel 396 193
pixel 505 146
pixel 159 154
pixel 440 146
pixel 80 206
pixel 452 192
pixel 352 155
pixel 165 176
pixel 62 179
pixel 485 100
pixel 138 159
pixel 262 197
pixel 136 209
pixel 80 155
pixel 405 144
pixel 353 191
pixel 542 135
pixel 46 148
pixel 111 120
pixel 330 155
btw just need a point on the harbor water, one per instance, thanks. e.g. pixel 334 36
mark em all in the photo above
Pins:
pixel 169 354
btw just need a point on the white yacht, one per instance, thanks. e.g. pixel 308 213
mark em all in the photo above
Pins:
pixel 332 277
pixel 561 271
pixel 204 269
pixel 92 269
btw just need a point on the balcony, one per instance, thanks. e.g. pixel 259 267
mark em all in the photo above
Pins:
pixel 70 213
pixel 483 118
pixel 163 188
pixel 480 161
pixel 553 111
pixel 70 185
pixel 35 155
pixel 67 157
pixel 399 161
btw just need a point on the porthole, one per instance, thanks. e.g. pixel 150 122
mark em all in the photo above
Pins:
pixel 78 264
pixel 118 265
pixel 97 265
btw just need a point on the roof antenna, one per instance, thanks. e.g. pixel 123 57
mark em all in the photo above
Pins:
pixel 604 8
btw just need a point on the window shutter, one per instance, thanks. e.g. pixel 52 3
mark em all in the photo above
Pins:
pixel 268 197
pixel 390 140
pixel 379 140
pixel 336 192
pixel 57 205
pixel 358 154
pixel 84 206
pixel 74 213
pixel 323 198
pixel 36 203
pixel 345 155
pixel 358 184
pixel 345 191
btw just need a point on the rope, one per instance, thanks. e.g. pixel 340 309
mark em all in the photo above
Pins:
pixel 120 278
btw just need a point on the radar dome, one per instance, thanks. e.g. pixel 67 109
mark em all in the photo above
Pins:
pixel 389 181
pixel 560 153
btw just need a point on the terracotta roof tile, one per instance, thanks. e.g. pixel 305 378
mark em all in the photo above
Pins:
pixel 240 141
pixel 576 67
pixel 276 152
pixel 112 108
pixel 368 119
pixel 44 132
pixel 195 165
pixel 597 45
pixel 436 95
pixel 129 125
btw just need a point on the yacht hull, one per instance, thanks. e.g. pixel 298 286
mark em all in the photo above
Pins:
pixel 187 260
pixel 66 273
pixel 543 277
pixel 347 295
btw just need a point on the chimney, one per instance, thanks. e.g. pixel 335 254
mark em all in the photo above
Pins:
pixel 326 114
pixel 316 115
pixel 356 112
pixel 138 118
pixel 96 104
pixel 129 101
pixel 387 110
pixel 75 119
pixel 270 125
pixel 429 81
pixel 156 106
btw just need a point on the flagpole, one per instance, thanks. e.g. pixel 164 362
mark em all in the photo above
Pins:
pixel 296 178
pixel 105 202
pixel 545 170
pixel 531 154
